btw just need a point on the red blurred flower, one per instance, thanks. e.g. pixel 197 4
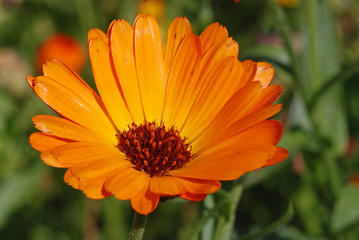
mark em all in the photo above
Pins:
pixel 64 48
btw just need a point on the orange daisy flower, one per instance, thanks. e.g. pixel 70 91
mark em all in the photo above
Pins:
pixel 172 124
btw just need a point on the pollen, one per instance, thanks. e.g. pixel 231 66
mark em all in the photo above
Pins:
pixel 154 149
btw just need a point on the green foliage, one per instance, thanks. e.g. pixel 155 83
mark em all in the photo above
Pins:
pixel 314 49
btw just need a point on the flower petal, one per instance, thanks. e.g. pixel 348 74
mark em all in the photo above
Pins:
pixel 200 186
pixel 71 105
pixel 121 36
pixel 227 164
pixel 44 142
pixel 182 78
pixel 96 33
pixel 280 155
pixel 193 197
pixel 107 83
pixel 167 185
pixel 145 202
pixel 216 90
pixel 235 108
pixel 94 189
pixel 100 169
pixel 149 66
pixel 69 154
pixel 127 183
pixel 57 71
pixel 264 74
pixel 213 34
pixel 179 29
pixel 64 128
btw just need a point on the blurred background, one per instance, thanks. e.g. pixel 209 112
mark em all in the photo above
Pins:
pixel 314 194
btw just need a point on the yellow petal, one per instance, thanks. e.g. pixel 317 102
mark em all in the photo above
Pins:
pixel 149 66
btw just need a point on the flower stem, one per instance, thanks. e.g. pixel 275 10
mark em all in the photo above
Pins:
pixel 138 226
pixel 225 226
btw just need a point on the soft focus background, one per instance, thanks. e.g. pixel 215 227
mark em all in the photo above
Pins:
pixel 314 194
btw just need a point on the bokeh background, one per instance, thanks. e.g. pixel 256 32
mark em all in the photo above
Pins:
pixel 314 194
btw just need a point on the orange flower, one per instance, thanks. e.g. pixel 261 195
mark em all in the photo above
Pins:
pixel 64 48
pixel 289 3
pixel 165 125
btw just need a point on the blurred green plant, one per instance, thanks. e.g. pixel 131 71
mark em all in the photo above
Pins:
pixel 315 50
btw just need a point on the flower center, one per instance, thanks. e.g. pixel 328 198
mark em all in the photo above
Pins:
pixel 154 150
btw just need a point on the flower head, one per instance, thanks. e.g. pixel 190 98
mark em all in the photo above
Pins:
pixel 163 125
pixel 64 48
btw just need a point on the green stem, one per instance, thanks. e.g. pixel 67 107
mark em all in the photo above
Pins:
pixel 285 30
pixel 225 226
pixel 138 226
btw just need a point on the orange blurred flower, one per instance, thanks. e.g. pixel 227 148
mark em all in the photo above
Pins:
pixel 64 48
pixel 288 3
pixel 354 180
pixel 153 7
pixel 172 124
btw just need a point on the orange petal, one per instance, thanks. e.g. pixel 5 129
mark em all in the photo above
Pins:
pixel 145 202
pixel 200 186
pixel 30 81
pixel 107 83
pixel 235 108
pixel 57 71
pixel 43 142
pixel 266 132
pixel 246 73
pixel 180 27
pixel 215 136
pixel 94 189
pixel 193 197
pixel 149 66
pixel 94 170
pixel 64 128
pixel 227 164
pixel 96 33
pixel 213 34
pixel 215 92
pixel 71 180
pixel 278 157
pixel 166 185
pixel 127 183
pixel 71 105
pixel 69 154
pixel 123 58
pixel 182 78
pixel 267 97
pixel 264 74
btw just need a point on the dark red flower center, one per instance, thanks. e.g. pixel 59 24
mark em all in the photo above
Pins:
pixel 154 149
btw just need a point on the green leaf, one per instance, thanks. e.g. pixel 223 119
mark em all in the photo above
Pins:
pixel 320 63
pixel 17 190
pixel 346 209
